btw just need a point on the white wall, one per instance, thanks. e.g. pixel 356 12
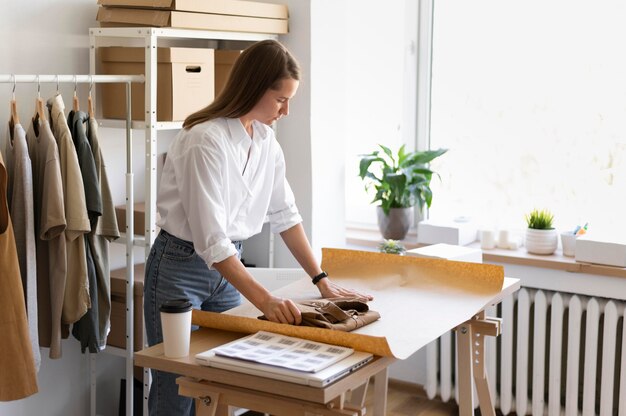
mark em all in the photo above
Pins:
pixel 313 136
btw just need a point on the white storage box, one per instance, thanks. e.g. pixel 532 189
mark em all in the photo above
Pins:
pixel 448 232
pixel 599 249
pixel 448 252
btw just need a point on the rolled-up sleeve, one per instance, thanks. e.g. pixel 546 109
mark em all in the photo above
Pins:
pixel 283 212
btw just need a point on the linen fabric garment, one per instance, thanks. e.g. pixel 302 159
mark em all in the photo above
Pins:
pixel 50 226
pixel 76 299
pixel 106 231
pixel 86 330
pixel 76 121
pixel 219 185
pixel 342 313
pixel 20 200
pixel 18 378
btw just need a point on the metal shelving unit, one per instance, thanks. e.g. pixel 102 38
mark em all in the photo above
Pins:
pixel 149 38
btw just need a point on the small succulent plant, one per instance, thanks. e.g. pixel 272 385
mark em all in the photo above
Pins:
pixel 392 247
pixel 540 219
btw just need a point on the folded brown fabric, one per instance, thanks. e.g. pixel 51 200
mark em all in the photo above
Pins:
pixel 342 314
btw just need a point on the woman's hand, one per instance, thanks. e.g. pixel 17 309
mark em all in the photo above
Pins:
pixel 329 289
pixel 281 310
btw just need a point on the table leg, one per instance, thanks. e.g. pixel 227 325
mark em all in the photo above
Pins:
pixel 357 397
pixel 380 392
pixel 464 359
pixel 480 372
pixel 471 363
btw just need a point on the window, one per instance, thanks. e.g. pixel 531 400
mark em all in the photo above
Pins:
pixel 530 98
pixel 380 86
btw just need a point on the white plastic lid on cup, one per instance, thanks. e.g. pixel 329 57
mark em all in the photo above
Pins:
pixel 176 325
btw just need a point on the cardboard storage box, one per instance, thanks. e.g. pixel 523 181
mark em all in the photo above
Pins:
pixel 598 249
pixel 117 336
pixel 118 16
pixel 185 81
pixel 139 219
pixel 224 60
pixel 448 232
pixel 227 7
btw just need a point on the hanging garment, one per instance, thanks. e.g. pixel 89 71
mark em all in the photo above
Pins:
pixel 18 378
pixel 86 330
pixel 20 199
pixel 49 233
pixel 76 121
pixel 76 299
pixel 107 230
pixel 342 314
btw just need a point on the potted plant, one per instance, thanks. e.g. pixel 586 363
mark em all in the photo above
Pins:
pixel 402 181
pixel 541 236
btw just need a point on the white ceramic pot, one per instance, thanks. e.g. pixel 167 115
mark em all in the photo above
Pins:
pixel 541 241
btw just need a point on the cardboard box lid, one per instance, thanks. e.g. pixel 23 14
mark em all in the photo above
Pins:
pixel 164 55
pixel 118 280
pixel 205 21
pixel 232 7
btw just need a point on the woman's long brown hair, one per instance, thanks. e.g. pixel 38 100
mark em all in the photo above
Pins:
pixel 259 67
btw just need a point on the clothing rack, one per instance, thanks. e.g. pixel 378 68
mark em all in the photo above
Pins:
pixel 108 79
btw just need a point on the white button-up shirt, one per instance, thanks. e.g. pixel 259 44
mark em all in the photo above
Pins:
pixel 219 185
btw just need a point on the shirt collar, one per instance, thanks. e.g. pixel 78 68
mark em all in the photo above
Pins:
pixel 239 133
pixel 56 106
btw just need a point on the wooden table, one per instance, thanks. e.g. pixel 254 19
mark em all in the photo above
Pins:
pixel 214 390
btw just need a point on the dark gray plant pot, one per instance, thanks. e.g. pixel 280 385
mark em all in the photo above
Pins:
pixel 395 225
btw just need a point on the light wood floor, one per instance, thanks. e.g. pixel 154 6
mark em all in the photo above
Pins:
pixel 409 400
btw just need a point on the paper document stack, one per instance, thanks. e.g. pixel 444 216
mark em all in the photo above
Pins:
pixel 283 351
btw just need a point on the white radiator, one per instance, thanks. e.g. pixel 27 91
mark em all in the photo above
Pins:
pixel 558 354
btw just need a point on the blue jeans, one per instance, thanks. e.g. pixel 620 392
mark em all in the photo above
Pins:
pixel 175 271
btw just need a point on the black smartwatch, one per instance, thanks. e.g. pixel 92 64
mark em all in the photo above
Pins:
pixel 319 277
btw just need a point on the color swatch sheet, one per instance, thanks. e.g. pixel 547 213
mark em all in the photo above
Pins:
pixel 418 300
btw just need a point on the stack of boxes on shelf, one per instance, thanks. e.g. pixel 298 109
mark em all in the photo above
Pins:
pixel 184 81
pixel 187 80
pixel 223 15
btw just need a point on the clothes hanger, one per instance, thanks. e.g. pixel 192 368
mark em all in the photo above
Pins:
pixel 75 105
pixel 89 100
pixel 41 108
pixel 14 116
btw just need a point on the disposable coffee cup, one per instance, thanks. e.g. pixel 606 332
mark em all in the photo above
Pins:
pixel 176 325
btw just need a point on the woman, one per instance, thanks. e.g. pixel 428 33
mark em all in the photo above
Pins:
pixel 223 175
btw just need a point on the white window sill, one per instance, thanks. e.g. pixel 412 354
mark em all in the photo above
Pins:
pixel 370 239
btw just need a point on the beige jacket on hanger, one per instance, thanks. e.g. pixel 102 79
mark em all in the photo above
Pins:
pixel 76 300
